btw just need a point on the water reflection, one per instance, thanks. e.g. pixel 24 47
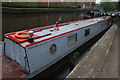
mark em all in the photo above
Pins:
pixel 16 22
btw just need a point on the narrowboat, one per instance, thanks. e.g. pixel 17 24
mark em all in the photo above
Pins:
pixel 29 51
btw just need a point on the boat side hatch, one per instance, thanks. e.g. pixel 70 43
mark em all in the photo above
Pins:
pixel 72 39
pixel 87 32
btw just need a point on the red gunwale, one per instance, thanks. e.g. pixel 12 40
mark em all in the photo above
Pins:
pixel 56 35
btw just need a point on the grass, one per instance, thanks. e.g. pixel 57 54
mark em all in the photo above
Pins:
pixel 31 5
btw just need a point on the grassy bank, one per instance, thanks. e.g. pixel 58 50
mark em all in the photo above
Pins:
pixel 31 5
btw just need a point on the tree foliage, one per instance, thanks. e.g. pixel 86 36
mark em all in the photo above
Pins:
pixel 119 5
pixel 109 5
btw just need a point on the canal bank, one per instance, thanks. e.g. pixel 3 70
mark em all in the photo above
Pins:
pixel 102 60
pixel 40 10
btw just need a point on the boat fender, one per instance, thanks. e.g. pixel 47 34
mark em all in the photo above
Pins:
pixel 22 35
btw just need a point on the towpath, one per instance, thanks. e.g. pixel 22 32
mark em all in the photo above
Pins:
pixel 110 67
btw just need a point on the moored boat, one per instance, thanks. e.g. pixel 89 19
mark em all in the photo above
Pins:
pixel 36 49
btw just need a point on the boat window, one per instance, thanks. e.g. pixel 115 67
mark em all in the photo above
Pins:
pixel 72 39
pixel 87 32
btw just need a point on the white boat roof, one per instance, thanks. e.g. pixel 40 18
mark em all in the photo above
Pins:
pixel 63 29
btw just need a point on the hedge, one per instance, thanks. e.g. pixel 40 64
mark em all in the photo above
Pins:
pixel 31 5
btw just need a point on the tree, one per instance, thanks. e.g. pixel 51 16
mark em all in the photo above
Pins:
pixel 119 5
pixel 109 5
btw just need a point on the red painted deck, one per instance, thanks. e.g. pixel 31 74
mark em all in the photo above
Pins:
pixel 10 69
